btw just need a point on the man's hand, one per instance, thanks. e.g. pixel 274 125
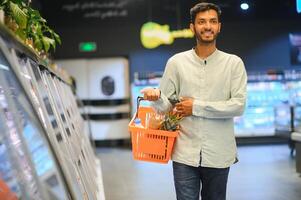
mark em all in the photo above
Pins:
pixel 184 108
pixel 151 94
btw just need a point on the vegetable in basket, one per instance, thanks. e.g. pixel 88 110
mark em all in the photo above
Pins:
pixel 168 122
pixel 171 122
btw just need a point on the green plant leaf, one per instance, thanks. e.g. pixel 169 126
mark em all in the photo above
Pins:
pixel 23 4
pixel 3 2
pixel 18 14
pixel 57 38
pixel 19 2
pixel 39 29
pixel 42 20
pixel 31 24
pixel 4 6
pixel 37 42
pixel 47 42
pixel 21 33
pixel 35 15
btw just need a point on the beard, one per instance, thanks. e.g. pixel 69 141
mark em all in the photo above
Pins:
pixel 201 38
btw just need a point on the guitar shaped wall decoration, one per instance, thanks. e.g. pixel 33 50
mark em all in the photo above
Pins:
pixel 153 35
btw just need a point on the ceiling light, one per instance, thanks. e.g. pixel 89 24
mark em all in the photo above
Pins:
pixel 244 6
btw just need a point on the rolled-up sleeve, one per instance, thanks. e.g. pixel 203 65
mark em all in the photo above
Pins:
pixel 168 87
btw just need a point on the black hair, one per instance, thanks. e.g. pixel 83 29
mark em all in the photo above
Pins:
pixel 204 6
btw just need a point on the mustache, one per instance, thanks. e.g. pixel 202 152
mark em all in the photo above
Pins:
pixel 205 30
pixel 211 31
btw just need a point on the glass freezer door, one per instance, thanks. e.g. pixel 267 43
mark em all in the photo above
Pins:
pixel 30 157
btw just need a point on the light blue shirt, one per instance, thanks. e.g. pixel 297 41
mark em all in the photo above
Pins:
pixel 218 86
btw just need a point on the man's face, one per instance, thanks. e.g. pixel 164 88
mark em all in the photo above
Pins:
pixel 206 26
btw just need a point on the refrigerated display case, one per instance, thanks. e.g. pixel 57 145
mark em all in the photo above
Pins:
pixel 256 121
pixel 297 118
pixel 259 118
pixel 7 174
pixel 29 154
pixel 45 151
pixel 293 84
pixel 283 119
pixel 267 99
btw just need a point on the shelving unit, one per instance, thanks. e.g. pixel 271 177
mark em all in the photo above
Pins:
pixel 43 143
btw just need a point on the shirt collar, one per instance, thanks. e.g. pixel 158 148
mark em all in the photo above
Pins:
pixel 209 58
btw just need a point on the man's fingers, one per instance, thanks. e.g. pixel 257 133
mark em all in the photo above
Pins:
pixel 182 113
pixel 153 97
pixel 185 98
pixel 150 94
pixel 145 90
pixel 178 105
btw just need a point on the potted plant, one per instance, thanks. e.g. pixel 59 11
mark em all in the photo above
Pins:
pixel 29 25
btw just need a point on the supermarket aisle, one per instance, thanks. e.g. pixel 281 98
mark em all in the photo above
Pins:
pixel 263 173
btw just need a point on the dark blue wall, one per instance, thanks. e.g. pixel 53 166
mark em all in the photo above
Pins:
pixel 262 42
pixel 263 45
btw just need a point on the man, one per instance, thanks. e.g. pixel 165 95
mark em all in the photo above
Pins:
pixel 211 87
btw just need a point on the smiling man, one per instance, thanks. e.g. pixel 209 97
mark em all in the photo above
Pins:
pixel 211 87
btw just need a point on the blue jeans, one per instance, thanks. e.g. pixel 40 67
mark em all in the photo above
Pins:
pixel 189 180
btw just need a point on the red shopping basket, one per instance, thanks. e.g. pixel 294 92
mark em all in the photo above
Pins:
pixel 150 144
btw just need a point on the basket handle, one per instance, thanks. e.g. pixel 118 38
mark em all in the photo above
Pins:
pixel 139 99
pixel 173 101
